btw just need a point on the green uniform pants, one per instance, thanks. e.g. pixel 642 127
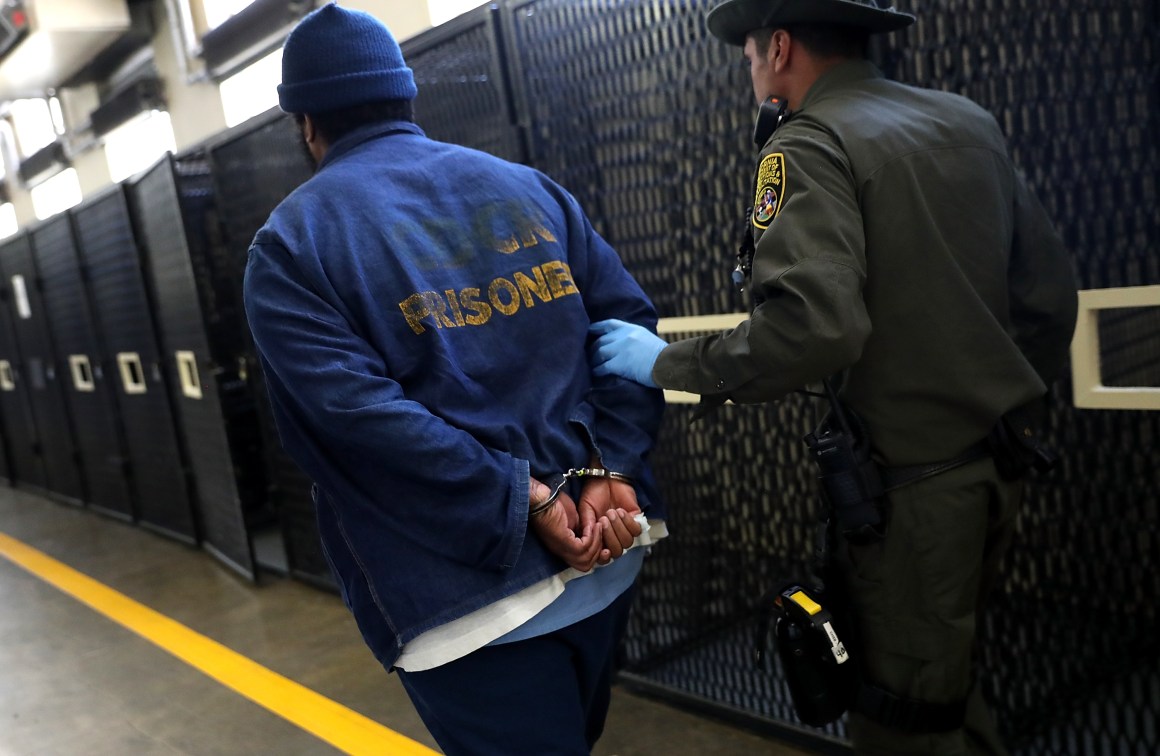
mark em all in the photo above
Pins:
pixel 916 601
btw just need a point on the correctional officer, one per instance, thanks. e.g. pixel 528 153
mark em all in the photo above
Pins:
pixel 900 252
pixel 421 311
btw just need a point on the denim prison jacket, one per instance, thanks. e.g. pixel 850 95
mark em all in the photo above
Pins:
pixel 421 311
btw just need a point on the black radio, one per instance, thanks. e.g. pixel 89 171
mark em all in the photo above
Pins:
pixel 851 481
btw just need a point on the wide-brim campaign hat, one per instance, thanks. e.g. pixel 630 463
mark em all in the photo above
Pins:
pixel 732 20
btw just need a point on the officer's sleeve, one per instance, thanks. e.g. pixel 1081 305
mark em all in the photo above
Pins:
pixel 627 414
pixel 808 273
pixel 1042 288
pixel 349 426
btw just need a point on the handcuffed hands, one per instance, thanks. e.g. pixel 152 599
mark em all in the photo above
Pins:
pixel 596 532
pixel 625 349
pixel 560 530
pixel 611 503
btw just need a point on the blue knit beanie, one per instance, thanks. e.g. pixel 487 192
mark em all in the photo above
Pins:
pixel 336 58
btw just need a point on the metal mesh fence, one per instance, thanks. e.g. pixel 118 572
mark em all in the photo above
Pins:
pixel 1129 343
pixel 636 110
pixel 1071 647
pixel 463 91
pixel 254 168
pixel 647 120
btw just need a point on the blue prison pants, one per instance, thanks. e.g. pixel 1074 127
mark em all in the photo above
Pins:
pixel 546 695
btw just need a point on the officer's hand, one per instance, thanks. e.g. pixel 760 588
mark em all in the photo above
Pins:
pixel 626 350
pixel 560 529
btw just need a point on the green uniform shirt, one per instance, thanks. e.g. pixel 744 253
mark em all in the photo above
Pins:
pixel 896 240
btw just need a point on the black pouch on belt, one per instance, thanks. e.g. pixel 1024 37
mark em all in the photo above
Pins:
pixel 850 479
pixel 1016 446
pixel 817 667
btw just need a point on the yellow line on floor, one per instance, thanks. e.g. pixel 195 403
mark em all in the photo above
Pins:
pixel 343 728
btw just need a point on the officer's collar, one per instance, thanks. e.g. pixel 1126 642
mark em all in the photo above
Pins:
pixel 843 74
pixel 365 134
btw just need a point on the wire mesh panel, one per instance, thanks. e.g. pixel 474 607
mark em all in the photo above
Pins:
pixel 464 96
pixel 253 169
pixel 86 380
pixel 6 469
pixel 647 120
pixel 26 465
pixel 109 250
pixel 1072 646
pixel 742 520
pixel 41 373
pixel 214 404
pixel 1129 342
pixel 634 108
pixel 237 484
pixel 14 435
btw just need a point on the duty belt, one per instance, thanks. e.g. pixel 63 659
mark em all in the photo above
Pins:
pixel 894 478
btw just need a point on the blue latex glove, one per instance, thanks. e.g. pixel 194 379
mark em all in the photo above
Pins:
pixel 626 350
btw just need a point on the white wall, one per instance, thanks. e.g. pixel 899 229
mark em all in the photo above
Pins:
pixel 194 106
pixel 404 19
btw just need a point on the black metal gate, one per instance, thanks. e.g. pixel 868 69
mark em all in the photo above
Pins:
pixel 254 167
pixel 41 373
pixel 634 108
pixel 200 327
pixel 88 392
pixel 26 464
pixel 109 251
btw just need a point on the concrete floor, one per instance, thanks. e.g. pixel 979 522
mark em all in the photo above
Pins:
pixel 74 682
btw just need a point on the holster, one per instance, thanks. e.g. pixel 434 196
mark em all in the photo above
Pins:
pixel 850 479
pixel 1017 447
pixel 821 677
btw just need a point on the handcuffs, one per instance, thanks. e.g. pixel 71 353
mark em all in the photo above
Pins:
pixel 576 472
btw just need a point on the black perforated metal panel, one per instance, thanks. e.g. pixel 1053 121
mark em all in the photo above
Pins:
pixel 26 467
pixel 463 91
pixel 1072 647
pixel 175 228
pixel 1129 342
pixel 647 120
pixel 253 169
pixel 159 466
pixel 86 381
pixel 42 375
pixel 197 377
pixel 737 529
pixel 637 111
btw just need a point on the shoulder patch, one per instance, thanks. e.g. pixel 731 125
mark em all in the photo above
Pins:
pixel 770 189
